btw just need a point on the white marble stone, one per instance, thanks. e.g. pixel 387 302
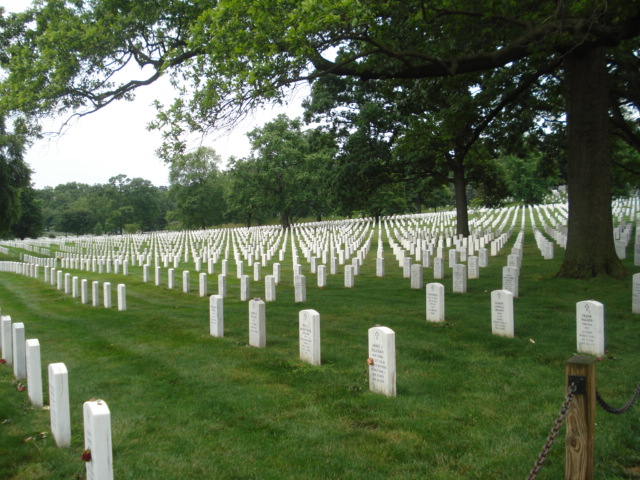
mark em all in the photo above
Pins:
pixel 309 336
pixel 435 302
pixel 590 328
pixel 216 316
pixel 97 439
pixel 34 372
pixel 257 323
pixel 382 361
pixel 502 321
pixel 59 404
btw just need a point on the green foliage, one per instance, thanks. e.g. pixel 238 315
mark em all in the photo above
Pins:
pixel 287 173
pixel 526 178
pixel 15 178
pixel 197 187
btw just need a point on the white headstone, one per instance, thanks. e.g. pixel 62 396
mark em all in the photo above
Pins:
pixel 438 268
pixel 483 258
pixel 382 361
pixel 379 267
pixel 84 291
pixel 473 267
pixel 216 316
pixel 7 339
pixel 95 293
pixel 171 278
pixel 122 297
pixel 349 277
pixel 460 278
pixel 635 297
pixel 590 328
pixel 186 281
pixel 416 276
pixel 502 313
pixel 300 288
pixel 97 440
pixel 222 285
pixel 276 272
pixel 19 354
pixel 59 404
pixel 435 302
pixel 106 301
pixel 245 288
pixel 257 271
pixel 322 276
pixel 309 333
pixel 34 372
pixel 257 323
pixel 270 288
pixel 202 284
pixel 510 276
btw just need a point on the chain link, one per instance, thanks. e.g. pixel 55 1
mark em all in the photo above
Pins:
pixel 617 411
pixel 554 433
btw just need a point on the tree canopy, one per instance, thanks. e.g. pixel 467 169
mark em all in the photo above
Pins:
pixel 230 56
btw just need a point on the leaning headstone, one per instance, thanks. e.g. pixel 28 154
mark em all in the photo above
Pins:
pixel 257 323
pixel 416 276
pixel 34 372
pixel 59 404
pixel 435 302
pixel 300 288
pixel 590 333
pixel 635 297
pixel 7 339
pixel 460 278
pixel 309 334
pixel 216 316
pixel 19 354
pixel 382 361
pixel 97 440
pixel 106 295
pixel 502 323
pixel 122 297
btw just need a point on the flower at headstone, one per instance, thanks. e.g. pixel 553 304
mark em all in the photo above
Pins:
pixel 86 456
pixel 2 360
pixel 370 361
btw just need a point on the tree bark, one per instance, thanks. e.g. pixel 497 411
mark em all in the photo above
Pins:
pixel 590 249
pixel 460 193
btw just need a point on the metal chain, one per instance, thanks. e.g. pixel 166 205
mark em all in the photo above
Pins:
pixel 554 433
pixel 617 411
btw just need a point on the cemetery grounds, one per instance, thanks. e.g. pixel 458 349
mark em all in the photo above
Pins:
pixel 187 405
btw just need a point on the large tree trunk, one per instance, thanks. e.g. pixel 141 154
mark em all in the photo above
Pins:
pixel 460 193
pixel 590 248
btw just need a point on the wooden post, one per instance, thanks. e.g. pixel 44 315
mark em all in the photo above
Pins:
pixel 580 438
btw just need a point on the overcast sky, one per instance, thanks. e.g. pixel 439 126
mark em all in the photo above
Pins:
pixel 115 140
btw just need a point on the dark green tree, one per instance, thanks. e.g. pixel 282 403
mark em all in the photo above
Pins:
pixel 197 187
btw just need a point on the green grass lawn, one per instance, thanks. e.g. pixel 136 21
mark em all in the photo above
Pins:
pixel 185 405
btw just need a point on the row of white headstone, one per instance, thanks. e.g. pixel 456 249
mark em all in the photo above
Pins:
pixel 24 355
